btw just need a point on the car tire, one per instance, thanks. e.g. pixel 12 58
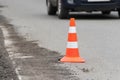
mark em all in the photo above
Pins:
pixel 51 10
pixel 119 13
pixel 62 12
pixel 106 12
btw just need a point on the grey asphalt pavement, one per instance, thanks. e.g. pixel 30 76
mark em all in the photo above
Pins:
pixel 98 36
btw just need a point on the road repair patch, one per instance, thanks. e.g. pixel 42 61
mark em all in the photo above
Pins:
pixel 31 61
pixel 6 68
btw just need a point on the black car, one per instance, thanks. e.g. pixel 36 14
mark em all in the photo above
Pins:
pixel 65 6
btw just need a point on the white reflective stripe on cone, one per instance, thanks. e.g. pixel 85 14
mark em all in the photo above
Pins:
pixel 72 30
pixel 72 45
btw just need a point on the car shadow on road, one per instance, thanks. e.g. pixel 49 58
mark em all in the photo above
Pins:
pixel 94 16
pixel 82 16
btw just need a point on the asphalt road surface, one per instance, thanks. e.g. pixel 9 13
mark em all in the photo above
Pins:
pixel 98 38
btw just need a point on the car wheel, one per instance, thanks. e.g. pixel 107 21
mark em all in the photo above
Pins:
pixel 119 13
pixel 62 12
pixel 106 12
pixel 50 8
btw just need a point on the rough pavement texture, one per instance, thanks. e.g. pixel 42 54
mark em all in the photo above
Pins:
pixel 34 62
pixel 6 69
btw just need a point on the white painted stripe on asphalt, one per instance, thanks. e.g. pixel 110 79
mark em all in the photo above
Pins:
pixel 72 30
pixel 72 45
pixel 9 42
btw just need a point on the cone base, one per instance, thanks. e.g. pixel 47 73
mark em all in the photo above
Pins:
pixel 72 59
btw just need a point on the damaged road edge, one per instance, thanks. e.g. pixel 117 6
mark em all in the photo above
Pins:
pixel 7 43
pixel 32 62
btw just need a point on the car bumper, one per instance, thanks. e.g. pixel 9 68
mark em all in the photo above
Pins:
pixel 83 5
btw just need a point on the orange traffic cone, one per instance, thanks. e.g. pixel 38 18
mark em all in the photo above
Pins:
pixel 72 51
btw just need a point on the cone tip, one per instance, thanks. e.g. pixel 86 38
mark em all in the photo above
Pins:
pixel 72 21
